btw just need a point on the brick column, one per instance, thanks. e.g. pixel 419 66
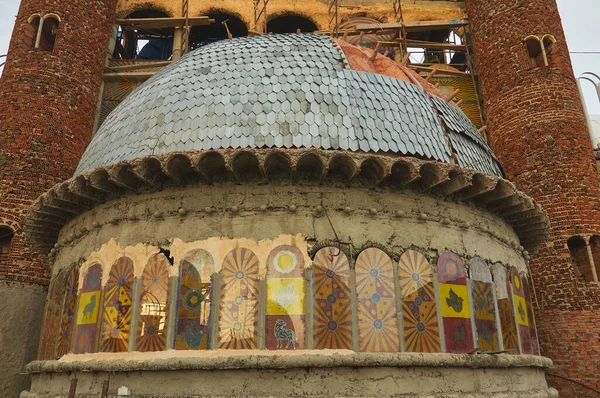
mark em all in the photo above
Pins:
pixel 539 133
pixel 47 108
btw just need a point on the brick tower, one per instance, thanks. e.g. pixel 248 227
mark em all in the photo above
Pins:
pixel 48 98
pixel 538 130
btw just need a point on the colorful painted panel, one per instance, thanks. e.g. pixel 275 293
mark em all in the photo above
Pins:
pixel 506 310
pixel 152 321
pixel 332 318
pixel 238 324
pixel 532 332
pixel 193 305
pixel 521 312
pixel 285 299
pixel 86 326
pixel 118 298
pixel 68 314
pixel 377 313
pixel 456 306
pixel 52 319
pixel 421 329
pixel 484 306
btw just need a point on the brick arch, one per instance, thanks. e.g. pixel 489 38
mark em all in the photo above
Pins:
pixel 143 7
pixel 298 16
pixel 201 35
pixel 579 256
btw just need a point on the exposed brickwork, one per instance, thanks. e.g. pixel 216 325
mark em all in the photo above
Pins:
pixel 538 131
pixel 47 108
pixel 571 337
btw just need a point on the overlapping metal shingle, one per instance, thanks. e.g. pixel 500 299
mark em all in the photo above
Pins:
pixel 470 148
pixel 287 91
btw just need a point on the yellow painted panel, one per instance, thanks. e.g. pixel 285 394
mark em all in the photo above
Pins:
pixel 453 298
pixel 521 308
pixel 285 296
pixel 89 303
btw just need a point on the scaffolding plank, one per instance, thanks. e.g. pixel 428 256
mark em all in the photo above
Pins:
pixel 417 26
pixel 162 23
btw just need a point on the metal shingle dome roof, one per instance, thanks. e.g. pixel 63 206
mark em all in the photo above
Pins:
pixel 284 91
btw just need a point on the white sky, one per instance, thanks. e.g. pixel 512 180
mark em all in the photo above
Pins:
pixel 581 20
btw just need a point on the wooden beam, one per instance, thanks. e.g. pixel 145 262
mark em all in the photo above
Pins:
pixel 108 77
pixel 132 67
pixel 418 26
pixel 161 23
pixel 420 68
pixel 436 46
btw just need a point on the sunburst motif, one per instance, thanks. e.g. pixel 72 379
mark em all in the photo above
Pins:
pixel 374 271
pixel 194 302
pixel 52 319
pixel 485 315
pixel 239 300
pixel 116 320
pixel 421 329
pixel 332 307
pixel 509 327
pixel 414 273
pixel 151 332
pixel 377 317
pixel 508 322
pixel 68 315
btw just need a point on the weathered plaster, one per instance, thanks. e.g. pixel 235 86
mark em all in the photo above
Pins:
pixel 278 374
pixel 21 308
pixel 315 10
pixel 396 221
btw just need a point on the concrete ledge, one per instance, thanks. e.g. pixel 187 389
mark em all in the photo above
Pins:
pixel 545 393
pixel 223 360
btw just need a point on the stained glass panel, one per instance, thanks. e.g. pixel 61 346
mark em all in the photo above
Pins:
pixel 87 314
pixel 375 291
pixel 455 301
pixel 238 323
pixel 332 317
pixel 194 302
pixel 68 315
pixel 118 300
pixel 151 328
pixel 421 328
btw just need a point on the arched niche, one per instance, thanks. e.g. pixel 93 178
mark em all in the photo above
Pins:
pixel 151 44
pixel 225 24
pixel 580 258
pixel 535 50
pixel 291 23
pixel 6 236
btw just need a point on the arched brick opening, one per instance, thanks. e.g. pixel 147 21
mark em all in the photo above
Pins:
pixel 154 44
pixel 32 29
pixel 580 258
pixel 595 247
pixel 291 23
pixel 49 32
pixel 6 236
pixel 224 21
pixel 535 51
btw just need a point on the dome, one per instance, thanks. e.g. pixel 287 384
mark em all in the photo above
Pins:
pixel 288 91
